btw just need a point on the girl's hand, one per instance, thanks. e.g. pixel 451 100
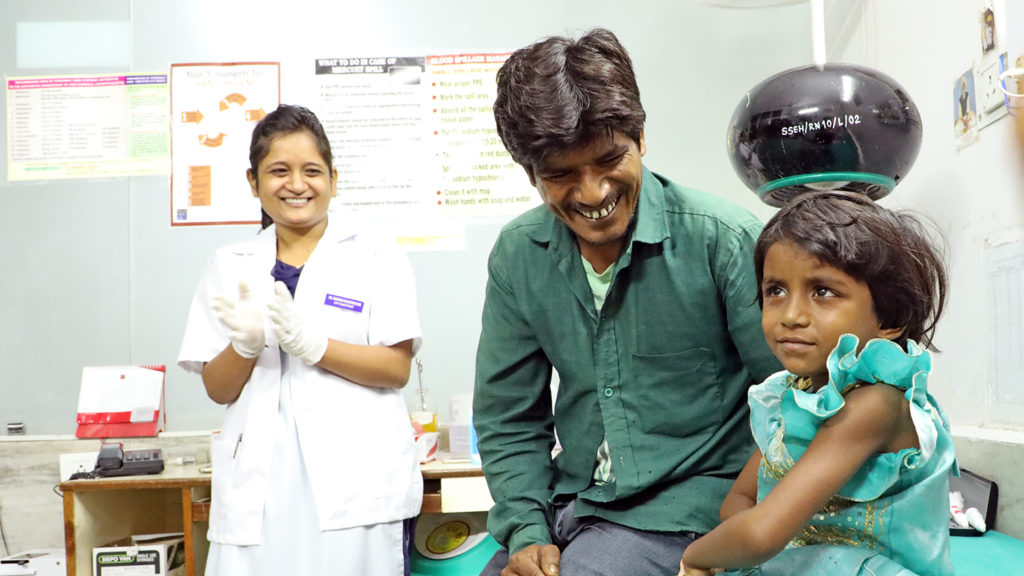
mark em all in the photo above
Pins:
pixel 684 571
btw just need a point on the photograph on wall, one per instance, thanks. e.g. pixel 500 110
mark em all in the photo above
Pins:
pixel 214 108
pixel 965 109
pixel 988 31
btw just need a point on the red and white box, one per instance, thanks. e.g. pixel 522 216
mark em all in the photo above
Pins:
pixel 121 401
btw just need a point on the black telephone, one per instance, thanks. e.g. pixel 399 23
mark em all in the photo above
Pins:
pixel 114 460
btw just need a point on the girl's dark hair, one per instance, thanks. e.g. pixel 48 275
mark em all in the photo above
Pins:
pixel 891 251
pixel 286 119
pixel 562 93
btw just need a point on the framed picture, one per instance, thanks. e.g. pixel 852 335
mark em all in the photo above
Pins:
pixel 988 31
pixel 965 108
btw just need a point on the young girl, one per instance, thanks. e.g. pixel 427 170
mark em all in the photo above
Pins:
pixel 306 333
pixel 851 471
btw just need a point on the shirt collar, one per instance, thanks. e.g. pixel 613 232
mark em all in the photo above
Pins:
pixel 266 240
pixel 650 223
pixel 338 230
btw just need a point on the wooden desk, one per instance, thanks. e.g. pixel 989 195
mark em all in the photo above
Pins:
pixel 438 471
pixel 101 510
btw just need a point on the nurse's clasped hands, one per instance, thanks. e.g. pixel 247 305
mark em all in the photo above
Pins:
pixel 294 336
pixel 244 321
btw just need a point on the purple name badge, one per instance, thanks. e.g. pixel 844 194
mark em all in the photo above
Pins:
pixel 343 303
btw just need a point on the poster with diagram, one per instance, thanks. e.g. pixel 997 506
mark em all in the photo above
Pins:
pixel 214 108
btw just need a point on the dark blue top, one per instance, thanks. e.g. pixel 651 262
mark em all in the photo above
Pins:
pixel 288 274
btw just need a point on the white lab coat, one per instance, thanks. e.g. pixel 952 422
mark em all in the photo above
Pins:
pixel 356 441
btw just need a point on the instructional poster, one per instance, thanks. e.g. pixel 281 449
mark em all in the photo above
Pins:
pixel 214 108
pixel 87 126
pixel 477 175
pixel 373 112
pixel 413 138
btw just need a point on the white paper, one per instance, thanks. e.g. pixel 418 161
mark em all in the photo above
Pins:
pixel 120 389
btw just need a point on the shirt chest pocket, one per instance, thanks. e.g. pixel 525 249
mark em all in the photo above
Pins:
pixel 677 395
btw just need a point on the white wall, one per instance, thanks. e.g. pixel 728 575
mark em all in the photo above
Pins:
pixel 975 195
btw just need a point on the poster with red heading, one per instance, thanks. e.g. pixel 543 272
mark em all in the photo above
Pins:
pixel 476 175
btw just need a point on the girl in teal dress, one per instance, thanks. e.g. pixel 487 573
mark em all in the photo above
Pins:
pixel 850 475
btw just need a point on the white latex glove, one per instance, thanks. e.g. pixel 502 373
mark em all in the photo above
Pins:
pixel 243 320
pixel 294 336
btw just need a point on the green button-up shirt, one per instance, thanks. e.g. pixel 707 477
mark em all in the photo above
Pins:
pixel 661 371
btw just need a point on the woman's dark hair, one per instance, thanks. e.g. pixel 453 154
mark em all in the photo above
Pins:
pixel 890 251
pixel 286 119
pixel 560 94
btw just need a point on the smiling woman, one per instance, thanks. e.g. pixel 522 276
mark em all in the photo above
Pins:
pixel 295 184
pixel 284 355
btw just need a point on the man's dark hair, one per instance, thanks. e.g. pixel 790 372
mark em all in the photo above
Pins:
pixel 560 94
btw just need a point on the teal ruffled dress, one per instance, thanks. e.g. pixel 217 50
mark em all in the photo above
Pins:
pixel 891 518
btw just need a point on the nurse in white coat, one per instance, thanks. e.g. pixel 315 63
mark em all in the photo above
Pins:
pixel 306 334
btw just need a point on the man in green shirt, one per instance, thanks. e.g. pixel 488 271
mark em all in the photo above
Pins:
pixel 641 295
